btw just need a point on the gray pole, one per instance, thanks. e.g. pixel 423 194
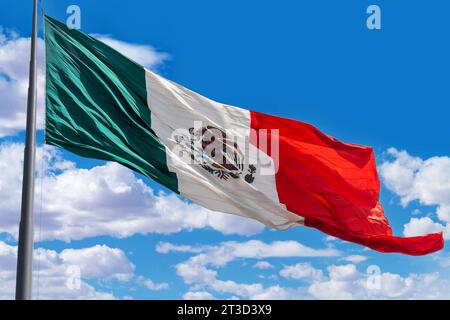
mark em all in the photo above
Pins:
pixel 25 253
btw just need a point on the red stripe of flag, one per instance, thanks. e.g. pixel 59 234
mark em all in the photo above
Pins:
pixel 334 186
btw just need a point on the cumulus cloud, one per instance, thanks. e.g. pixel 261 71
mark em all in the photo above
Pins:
pixel 301 271
pixel 14 64
pixel 104 200
pixel 346 282
pixel 14 67
pixel 221 255
pixel 99 261
pixel 71 273
pixel 200 270
pixel 427 181
pixel 155 286
pixel 59 273
pixel 420 226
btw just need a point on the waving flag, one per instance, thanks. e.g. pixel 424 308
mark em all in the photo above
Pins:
pixel 281 172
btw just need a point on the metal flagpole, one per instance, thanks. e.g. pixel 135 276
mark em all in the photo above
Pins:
pixel 25 253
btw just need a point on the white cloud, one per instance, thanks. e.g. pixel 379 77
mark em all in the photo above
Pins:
pixel 14 60
pixel 155 286
pixel 14 67
pixel 421 226
pixel 70 274
pixel 198 295
pixel 99 261
pixel 346 272
pixel 55 275
pixel 228 251
pixel 104 200
pixel 198 270
pixel 346 282
pixel 354 258
pixel 427 181
pixel 301 271
pixel 263 265
pixel 339 285
pixel 201 273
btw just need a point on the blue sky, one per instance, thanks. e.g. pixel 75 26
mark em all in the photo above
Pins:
pixel 314 61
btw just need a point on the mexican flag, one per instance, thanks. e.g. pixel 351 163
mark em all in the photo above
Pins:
pixel 281 172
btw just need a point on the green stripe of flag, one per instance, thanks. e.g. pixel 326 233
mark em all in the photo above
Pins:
pixel 96 104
